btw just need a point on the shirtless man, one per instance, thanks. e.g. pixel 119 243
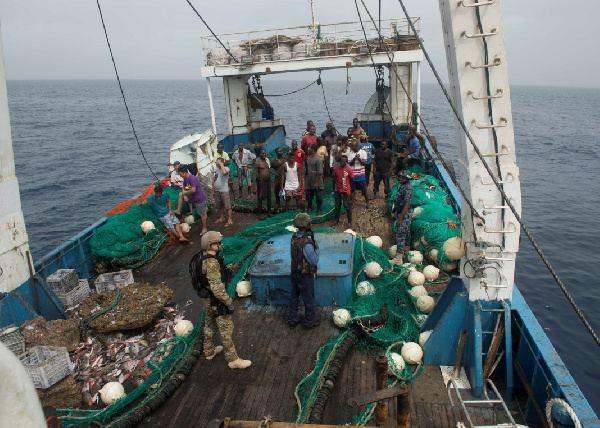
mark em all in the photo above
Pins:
pixel 262 181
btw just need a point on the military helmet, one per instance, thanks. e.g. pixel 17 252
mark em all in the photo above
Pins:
pixel 302 220
pixel 404 173
pixel 210 237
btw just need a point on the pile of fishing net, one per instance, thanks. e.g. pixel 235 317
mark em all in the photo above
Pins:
pixel 121 243
pixel 434 220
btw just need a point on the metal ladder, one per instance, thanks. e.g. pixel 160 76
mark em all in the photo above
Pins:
pixel 493 402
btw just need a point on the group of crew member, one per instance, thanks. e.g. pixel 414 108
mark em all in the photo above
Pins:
pixel 348 159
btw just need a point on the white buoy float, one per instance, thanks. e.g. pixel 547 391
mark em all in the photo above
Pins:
pixel 111 392
pixel 448 266
pixel 189 219
pixel 431 273
pixel 433 254
pixel 183 328
pixel 373 270
pixel 454 248
pixel 425 304
pixel 411 353
pixel 375 240
pixel 341 317
pixel 418 291
pixel 243 288
pixel 185 227
pixel 416 278
pixel 415 257
pixel 147 226
pixel 392 251
pixel 424 336
pixel 396 362
pixel 365 288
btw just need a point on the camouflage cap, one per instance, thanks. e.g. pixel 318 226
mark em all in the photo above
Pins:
pixel 302 220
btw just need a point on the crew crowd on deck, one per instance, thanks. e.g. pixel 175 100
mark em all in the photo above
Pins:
pixel 350 161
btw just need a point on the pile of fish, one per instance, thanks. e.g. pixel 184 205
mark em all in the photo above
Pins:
pixel 120 356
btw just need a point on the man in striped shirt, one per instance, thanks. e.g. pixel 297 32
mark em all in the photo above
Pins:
pixel 357 160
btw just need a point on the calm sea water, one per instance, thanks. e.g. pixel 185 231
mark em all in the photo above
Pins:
pixel 76 157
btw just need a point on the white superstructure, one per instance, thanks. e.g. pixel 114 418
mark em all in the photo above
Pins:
pixel 14 242
pixel 478 76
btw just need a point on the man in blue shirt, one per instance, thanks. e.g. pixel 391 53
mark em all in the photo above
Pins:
pixel 161 205
pixel 304 252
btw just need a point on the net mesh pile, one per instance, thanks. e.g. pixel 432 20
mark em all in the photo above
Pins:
pixel 434 220
pixel 120 242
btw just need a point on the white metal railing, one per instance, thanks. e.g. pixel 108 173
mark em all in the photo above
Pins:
pixel 282 44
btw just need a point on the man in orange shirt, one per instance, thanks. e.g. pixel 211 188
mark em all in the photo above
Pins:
pixel 357 131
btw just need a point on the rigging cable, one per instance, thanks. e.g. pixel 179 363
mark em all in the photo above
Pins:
pixel 320 83
pixel 451 172
pixel 211 31
pixel 500 189
pixel 123 93
pixel 293 92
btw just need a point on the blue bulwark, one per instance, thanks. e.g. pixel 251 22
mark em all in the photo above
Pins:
pixel 19 305
pixel 270 270
pixel 271 137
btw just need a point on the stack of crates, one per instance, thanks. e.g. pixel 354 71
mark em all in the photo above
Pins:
pixel 13 339
pixel 68 287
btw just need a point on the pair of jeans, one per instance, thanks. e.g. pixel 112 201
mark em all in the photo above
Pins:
pixel 345 199
pixel 303 284
pixel 378 177
pixel 314 193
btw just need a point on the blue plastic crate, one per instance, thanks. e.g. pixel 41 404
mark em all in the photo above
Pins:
pixel 270 270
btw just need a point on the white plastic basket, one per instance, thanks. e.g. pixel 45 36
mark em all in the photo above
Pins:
pixel 63 280
pixel 13 339
pixel 109 281
pixel 46 365
pixel 75 296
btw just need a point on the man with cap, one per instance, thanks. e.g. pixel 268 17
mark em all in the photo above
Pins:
pixel 403 208
pixel 210 276
pixel 176 178
pixel 304 252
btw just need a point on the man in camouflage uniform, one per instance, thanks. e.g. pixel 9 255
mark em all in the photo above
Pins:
pixel 218 305
pixel 304 252
pixel 403 208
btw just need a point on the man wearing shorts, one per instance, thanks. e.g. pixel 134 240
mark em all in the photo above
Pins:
pixel 244 159
pixel 292 180
pixel 262 178
pixel 161 205
pixel 194 194
pixel 357 160
pixel 277 167
pixel 221 192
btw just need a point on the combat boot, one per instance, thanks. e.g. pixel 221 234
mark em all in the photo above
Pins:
pixel 240 364
pixel 218 349
pixel 398 259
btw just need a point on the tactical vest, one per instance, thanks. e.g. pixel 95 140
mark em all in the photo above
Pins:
pixel 200 280
pixel 299 262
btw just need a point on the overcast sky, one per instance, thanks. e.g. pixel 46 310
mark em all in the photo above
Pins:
pixel 549 42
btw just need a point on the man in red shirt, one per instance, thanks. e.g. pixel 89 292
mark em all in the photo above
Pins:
pixel 343 177
pixel 309 139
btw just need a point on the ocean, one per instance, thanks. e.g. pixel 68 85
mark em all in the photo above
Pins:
pixel 76 158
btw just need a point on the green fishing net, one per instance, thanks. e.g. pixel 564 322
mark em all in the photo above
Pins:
pixel 120 242
pixel 434 220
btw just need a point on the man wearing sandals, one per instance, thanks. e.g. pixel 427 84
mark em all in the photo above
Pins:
pixel 161 205
pixel 221 192
pixel 194 194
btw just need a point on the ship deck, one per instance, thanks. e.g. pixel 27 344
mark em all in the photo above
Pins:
pixel 281 358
